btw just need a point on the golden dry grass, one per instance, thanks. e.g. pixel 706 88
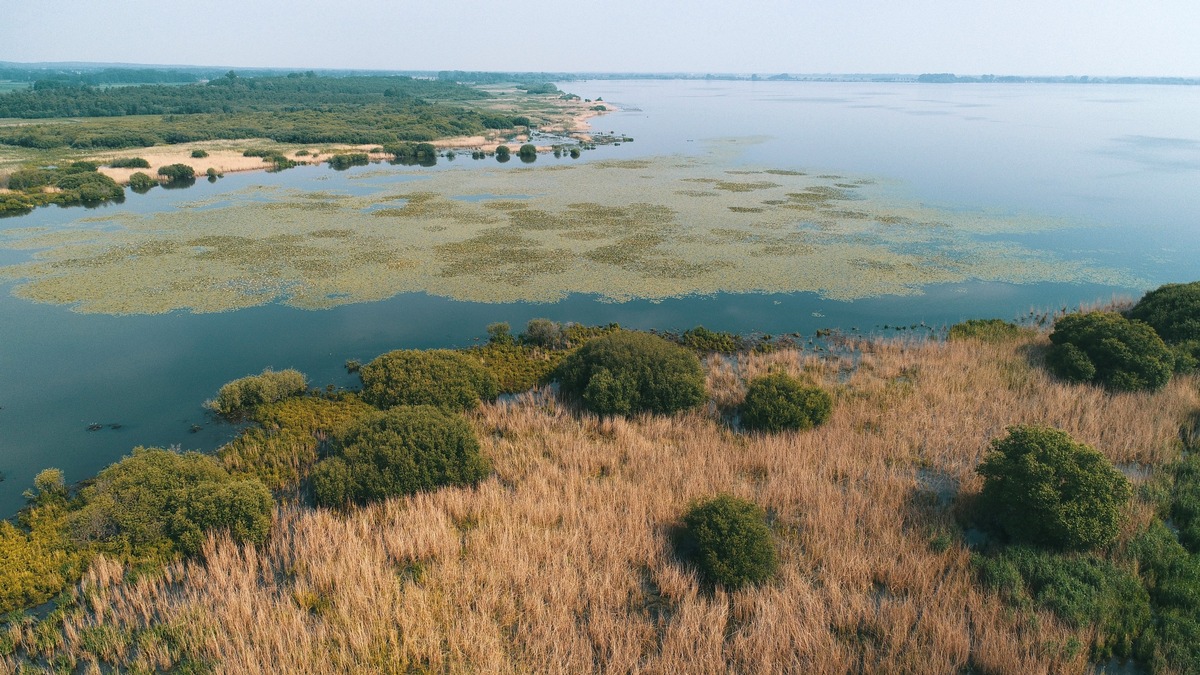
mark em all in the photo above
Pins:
pixel 561 561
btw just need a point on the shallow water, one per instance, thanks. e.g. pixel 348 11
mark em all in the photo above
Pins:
pixel 1118 163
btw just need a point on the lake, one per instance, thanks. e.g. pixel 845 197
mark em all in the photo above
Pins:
pixel 1102 178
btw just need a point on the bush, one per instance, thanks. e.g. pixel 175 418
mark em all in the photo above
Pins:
pixel 986 330
pixel 500 333
pixel 1042 487
pixel 779 402
pixel 141 182
pixel 346 160
pixel 437 377
pixel 707 341
pixel 502 153
pixel 1082 590
pixel 1173 579
pixel 242 395
pixel 177 172
pixel 129 163
pixel 199 154
pixel 623 373
pixel 405 450
pixel 527 152
pixel 1172 310
pixel 729 542
pixel 156 502
pixel 544 333
pixel 1108 349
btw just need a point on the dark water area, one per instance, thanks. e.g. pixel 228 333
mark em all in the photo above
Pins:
pixel 1120 163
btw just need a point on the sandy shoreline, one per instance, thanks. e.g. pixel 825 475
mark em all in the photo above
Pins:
pixel 226 156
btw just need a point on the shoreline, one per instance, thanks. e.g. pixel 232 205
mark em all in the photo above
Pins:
pixel 226 155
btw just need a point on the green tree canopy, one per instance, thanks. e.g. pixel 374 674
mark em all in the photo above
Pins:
pixel 779 402
pixel 626 372
pixel 1042 487
pixel 729 542
pixel 1110 350
pixel 437 377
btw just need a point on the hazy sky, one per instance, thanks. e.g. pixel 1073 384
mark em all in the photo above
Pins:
pixel 1030 37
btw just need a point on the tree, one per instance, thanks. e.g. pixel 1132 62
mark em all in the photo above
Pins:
pixel 437 377
pixel 502 153
pixel 402 451
pixel 779 402
pixel 729 542
pixel 242 395
pixel 1108 349
pixel 1173 311
pixel 177 172
pixel 527 152
pixel 626 372
pixel 1042 487
pixel 141 182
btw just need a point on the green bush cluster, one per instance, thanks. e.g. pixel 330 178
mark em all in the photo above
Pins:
pixel 437 377
pixel 1108 349
pixel 1082 590
pixel 156 502
pixel 129 163
pixel 176 172
pixel 141 182
pixel 625 373
pixel 1173 311
pixel 75 183
pixel 706 341
pixel 779 402
pixel 36 559
pixel 502 153
pixel 728 541
pixel 517 368
pixel 986 330
pixel 345 160
pixel 401 451
pixel 199 154
pixel 1172 576
pixel 527 152
pixel 242 395
pixel 1044 488
pixel 282 449
pixel 425 154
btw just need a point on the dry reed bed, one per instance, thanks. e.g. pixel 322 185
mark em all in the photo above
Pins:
pixel 561 562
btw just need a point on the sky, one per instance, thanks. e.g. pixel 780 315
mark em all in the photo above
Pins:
pixel 1014 37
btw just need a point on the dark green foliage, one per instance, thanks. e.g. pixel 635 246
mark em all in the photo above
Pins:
pixel 502 153
pixel 402 451
pixel 75 183
pixel 1172 310
pixel 424 154
pixel 1082 590
pixel 987 330
pixel 500 333
pixel 544 333
pixel 345 160
pixel 1172 576
pixel 155 502
pixel 538 88
pixel 1108 349
pixel 527 152
pixel 353 110
pixel 242 395
pixel 1044 488
pixel 516 368
pixel 129 163
pixel 779 402
pixel 437 377
pixel 141 182
pixel 729 542
pixel 625 372
pixel 177 172
pixel 706 341
pixel 1185 501
pixel 199 154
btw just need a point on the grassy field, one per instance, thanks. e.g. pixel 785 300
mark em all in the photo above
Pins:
pixel 561 561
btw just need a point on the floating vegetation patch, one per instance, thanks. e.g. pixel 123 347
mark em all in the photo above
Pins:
pixel 535 234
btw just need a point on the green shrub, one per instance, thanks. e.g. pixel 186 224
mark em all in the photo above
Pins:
pixel 527 152
pixel 245 393
pixel 986 330
pixel 706 341
pixel 156 502
pixel 1108 349
pixel 502 153
pixel 177 172
pixel 1172 576
pixel 343 161
pixel 1043 487
pixel 1172 310
pixel 729 542
pixel 544 333
pixel 437 377
pixel 624 373
pixel 35 562
pixel 500 333
pixel 1083 590
pixel 129 163
pixel 199 154
pixel 1185 501
pixel 141 182
pixel 516 368
pixel 779 402
pixel 402 451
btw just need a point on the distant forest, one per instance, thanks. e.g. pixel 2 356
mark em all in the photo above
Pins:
pixel 295 108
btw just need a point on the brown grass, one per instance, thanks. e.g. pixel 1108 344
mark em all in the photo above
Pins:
pixel 561 562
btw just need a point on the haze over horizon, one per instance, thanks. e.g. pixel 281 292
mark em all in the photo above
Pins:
pixel 1020 37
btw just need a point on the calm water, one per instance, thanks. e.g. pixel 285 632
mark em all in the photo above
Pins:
pixel 1123 161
